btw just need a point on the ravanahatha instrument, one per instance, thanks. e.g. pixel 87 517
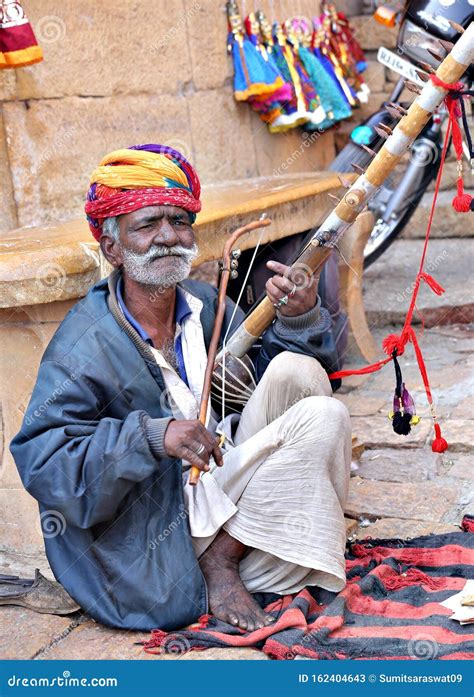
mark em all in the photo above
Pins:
pixel 325 238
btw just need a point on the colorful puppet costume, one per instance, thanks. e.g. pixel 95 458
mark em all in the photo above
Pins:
pixel 254 73
pixel 18 45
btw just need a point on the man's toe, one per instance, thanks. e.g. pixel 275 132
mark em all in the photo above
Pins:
pixel 250 624
pixel 233 619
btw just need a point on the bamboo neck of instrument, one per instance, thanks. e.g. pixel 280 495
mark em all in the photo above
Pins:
pixel 356 198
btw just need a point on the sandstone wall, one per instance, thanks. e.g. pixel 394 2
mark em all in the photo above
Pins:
pixel 118 72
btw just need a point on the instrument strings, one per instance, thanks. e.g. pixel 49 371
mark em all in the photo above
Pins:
pixel 223 378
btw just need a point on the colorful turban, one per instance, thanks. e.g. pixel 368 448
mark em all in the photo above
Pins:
pixel 140 176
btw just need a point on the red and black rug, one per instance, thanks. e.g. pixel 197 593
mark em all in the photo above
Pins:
pixel 389 608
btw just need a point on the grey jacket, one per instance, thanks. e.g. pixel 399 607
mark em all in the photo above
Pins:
pixel 90 450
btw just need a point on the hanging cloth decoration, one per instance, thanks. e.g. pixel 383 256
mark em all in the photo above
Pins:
pixel 322 43
pixel 329 68
pixel 294 111
pixel 268 105
pixel 353 46
pixel 341 42
pixel 315 112
pixel 18 45
pixel 297 73
pixel 332 99
pixel 253 75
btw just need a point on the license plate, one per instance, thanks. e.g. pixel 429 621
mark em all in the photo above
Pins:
pixel 399 65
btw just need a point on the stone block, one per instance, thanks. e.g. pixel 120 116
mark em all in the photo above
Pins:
pixel 463 467
pixel 207 32
pixel 386 528
pixel 393 465
pixel 446 222
pixel 21 348
pixel 23 633
pixel 108 48
pixel 222 136
pixel 362 406
pixel 392 278
pixel 54 145
pixel 16 563
pixel 413 501
pixel 460 434
pixel 449 179
pixel 47 312
pixel 371 35
pixel 292 152
pixel 376 432
pixel 8 219
pixel 7 84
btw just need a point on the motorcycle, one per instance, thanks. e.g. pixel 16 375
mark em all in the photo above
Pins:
pixel 421 24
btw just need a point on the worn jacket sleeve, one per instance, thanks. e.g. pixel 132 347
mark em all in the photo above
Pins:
pixel 309 334
pixel 73 461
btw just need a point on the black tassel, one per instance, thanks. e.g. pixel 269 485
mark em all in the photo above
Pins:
pixel 400 419
pixel 401 423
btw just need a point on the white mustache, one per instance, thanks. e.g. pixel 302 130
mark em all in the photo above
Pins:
pixel 176 251
pixel 159 251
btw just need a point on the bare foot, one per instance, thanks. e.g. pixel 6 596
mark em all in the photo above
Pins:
pixel 229 600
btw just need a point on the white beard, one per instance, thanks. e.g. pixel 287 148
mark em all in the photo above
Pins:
pixel 140 267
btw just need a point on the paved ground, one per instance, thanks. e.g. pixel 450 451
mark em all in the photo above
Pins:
pixel 399 488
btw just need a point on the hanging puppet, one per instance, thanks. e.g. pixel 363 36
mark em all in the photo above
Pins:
pixel 18 45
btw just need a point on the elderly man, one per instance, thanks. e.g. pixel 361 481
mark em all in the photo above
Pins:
pixel 110 455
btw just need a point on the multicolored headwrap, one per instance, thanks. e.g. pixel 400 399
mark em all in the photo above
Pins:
pixel 140 176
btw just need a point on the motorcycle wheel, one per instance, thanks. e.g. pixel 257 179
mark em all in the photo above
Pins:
pixel 384 233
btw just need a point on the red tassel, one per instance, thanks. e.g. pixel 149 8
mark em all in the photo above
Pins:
pixel 439 445
pixel 392 342
pixel 462 201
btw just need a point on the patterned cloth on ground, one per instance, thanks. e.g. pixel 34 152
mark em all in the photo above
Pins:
pixel 390 608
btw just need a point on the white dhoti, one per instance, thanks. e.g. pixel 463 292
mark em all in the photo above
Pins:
pixel 284 483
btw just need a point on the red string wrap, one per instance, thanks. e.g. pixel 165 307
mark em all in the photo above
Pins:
pixel 462 200
pixel 394 342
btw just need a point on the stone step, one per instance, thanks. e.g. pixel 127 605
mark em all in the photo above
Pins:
pixel 422 501
pixel 446 221
pixel 398 528
pixel 389 282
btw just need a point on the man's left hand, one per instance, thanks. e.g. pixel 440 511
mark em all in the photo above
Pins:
pixel 298 285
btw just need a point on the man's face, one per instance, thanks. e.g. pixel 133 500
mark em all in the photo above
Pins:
pixel 156 245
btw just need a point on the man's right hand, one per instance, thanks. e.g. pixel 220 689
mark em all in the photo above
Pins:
pixel 185 439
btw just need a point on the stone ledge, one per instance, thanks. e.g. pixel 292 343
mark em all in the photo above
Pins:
pixel 425 501
pixel 384 528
